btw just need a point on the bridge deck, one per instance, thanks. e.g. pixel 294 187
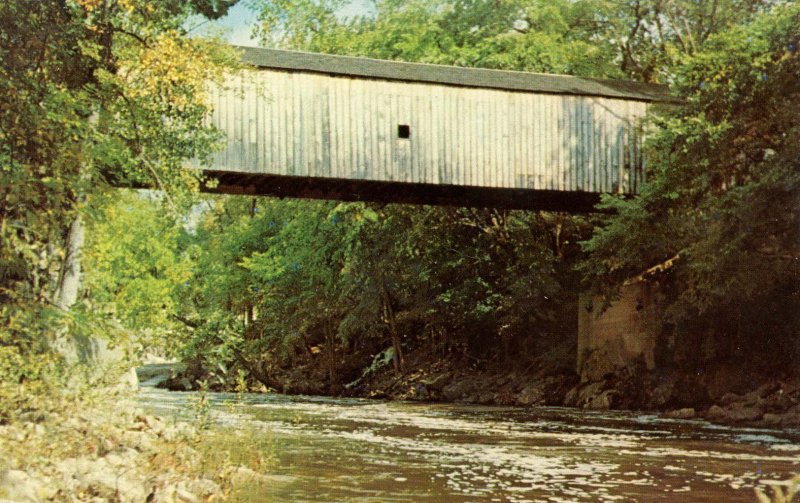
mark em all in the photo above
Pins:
pixel 334 127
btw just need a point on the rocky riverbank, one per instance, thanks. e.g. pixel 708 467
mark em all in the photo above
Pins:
pixel 725 394
pixel 99 447
pixel 771 402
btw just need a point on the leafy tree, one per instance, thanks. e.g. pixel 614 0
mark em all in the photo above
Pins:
pixel 513 34
pixel 137 266
pixel 90 90
pixel 723 193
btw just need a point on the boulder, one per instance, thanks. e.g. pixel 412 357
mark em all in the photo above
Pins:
pixel 744 414
pixel 485 398
pixel 604 401
pixel 18 486
pixel 203 487
pixel 735 413
pixel 438 382
pixel 457 390
pixel 662 395
pixel 790 420
pixel 729 398
pixel 588 392
pixel 715 413
pixel 532 394
pixel 685 413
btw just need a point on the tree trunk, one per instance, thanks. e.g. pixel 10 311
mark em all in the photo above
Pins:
pixel 76 348
pixel 69 280
pixel 399 358
pixel 330 342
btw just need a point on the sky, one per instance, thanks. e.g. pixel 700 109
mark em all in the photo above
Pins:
pixel 237 26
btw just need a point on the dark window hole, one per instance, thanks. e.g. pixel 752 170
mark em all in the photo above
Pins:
pixel 403 131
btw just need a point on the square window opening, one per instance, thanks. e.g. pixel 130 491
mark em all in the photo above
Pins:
pixel 403 131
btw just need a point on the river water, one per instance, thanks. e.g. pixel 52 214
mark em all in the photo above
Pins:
pixel 328 449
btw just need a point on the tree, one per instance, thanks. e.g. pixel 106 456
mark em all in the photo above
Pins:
pixel 722 194
pixel 513 35
pixel 91 91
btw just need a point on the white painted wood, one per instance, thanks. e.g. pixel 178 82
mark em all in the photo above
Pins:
pixel 315 125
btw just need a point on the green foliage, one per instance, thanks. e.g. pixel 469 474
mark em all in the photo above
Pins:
pixel 91 91
pixel 723 188
pixel 137 265
pixel 275 281
pixel 514 35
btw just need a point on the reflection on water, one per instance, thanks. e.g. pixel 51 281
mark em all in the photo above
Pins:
pixel 358 450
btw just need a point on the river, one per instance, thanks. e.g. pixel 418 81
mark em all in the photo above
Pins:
pixel 328 449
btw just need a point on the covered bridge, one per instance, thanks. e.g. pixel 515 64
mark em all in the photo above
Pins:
pixel 337 127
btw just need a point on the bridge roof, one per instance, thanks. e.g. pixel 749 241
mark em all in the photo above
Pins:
pixel 349 66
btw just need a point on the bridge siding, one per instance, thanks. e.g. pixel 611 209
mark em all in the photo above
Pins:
pixel 314 125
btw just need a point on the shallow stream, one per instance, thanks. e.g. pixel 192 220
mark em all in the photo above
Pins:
pixel 328 449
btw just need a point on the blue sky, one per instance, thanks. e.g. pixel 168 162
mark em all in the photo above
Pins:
pixel 237 26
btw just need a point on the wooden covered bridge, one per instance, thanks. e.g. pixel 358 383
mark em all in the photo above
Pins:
pixel 336 127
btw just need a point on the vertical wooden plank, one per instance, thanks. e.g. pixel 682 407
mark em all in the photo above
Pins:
pixel 471 140
pixel 362 113
pixel 628 146
pixel 284 125
pixel 515 147
pixel 353 141
pixel 458 124
pixel 597 126
pixel 376 120
pixel 554 133
pixel 495 141
pixel 345 119
pixel 579 142
pixel 486 141
pixel 615 147
pixel 588 135
pixel 271 101
pixel 483 143
pixel 388 163
pixel 475 139
pixel 343 126
pixel 582 144
pixel 542 125
pixel 301 124
pixel 501 118
pixel 465 138
pixel 569 126
pixel 623 154
pixel 438 164
pixel 325 111
pixel 505 119
pixel 417 143
pixel 263 147
pixel 393 150
pixel 436 160
pixel 551 130
pixel 234 127
pixel 439 109
pixel 603 147
pixel 314 130
pixel 447 135
pixel 221 156
pixel 369 127
pixel 367 138
pixel 533 124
